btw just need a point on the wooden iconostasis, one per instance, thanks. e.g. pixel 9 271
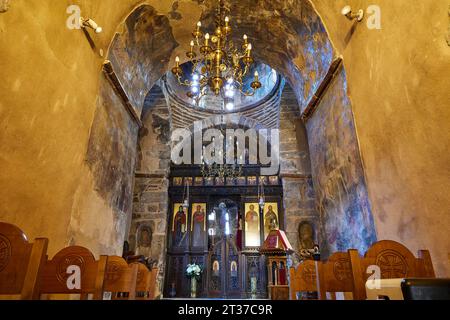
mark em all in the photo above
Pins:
pixel 221 230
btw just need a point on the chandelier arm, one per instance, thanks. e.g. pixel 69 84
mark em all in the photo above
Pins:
pixel 249 93
pixel 194 65
pixel 186 83
pixel 246 70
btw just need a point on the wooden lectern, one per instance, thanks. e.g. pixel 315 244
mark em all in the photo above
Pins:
pixel 276 248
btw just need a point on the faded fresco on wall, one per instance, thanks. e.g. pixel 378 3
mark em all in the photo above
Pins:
pixel 339 181
pixel 111 153
pixel 140 53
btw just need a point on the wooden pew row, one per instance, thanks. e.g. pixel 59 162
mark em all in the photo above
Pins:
pixel 334 276
pixel 347 271
pixel 146 282
pixel 27 273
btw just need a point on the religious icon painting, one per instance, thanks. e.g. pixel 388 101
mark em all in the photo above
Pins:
pixel 179 224
pixel 209 181
pixel 220 181
pixel 198 181
pixel 273 180
pixel 240 181
pixel 234 269
pixel 188 181
pixel 198 224
pixel 271 218
pixel 230 181
pixel 216 268
pixel 252 181
pixel 264 180
pixel 178 181
pixel 252 225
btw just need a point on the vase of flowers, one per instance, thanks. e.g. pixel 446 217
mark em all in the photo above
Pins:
pixel 194 272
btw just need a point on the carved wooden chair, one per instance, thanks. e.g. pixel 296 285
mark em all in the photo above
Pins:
pixel 143 282
pixel 303 279
pixel 394 261
pixel 154 277
pixel 20 263
pixel 120 279
pixel 55 273
pixel 336 275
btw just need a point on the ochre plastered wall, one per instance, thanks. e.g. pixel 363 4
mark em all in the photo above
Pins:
pixel 48 97
pixel 398 82
pixel 51 89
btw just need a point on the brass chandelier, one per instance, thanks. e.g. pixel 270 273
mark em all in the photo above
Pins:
pixel 218 66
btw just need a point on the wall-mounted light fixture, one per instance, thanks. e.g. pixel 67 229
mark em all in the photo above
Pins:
pixel 89 23
pixel 347 12
pixel 4 5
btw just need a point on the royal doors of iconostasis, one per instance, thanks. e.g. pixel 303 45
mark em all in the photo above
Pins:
pixel 223 264
pixel 221 230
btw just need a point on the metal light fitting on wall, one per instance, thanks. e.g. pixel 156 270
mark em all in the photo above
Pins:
pixel 350 15
pixel 186 196
pixel 4 5
pixel 261 196
pixel 89 23
pixel 218 66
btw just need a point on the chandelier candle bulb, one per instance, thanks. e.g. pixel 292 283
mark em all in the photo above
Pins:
pixel 197 33
pixel 191 54
pixel 245 44
pixel 227 28
pixel 207 40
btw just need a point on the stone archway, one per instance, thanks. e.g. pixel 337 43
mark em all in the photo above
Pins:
pixel 290 37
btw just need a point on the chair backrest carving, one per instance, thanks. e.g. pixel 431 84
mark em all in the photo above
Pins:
pixel 20 263
pixel 303 278
pixel 55 274
pixel 336 274
pixel 394 261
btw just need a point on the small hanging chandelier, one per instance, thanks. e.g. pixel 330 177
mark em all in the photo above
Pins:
pixel 218 66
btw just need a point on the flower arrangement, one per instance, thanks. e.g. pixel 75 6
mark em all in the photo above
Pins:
pixel 194 271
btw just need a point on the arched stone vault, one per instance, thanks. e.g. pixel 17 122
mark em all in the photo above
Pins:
pixel 288 36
